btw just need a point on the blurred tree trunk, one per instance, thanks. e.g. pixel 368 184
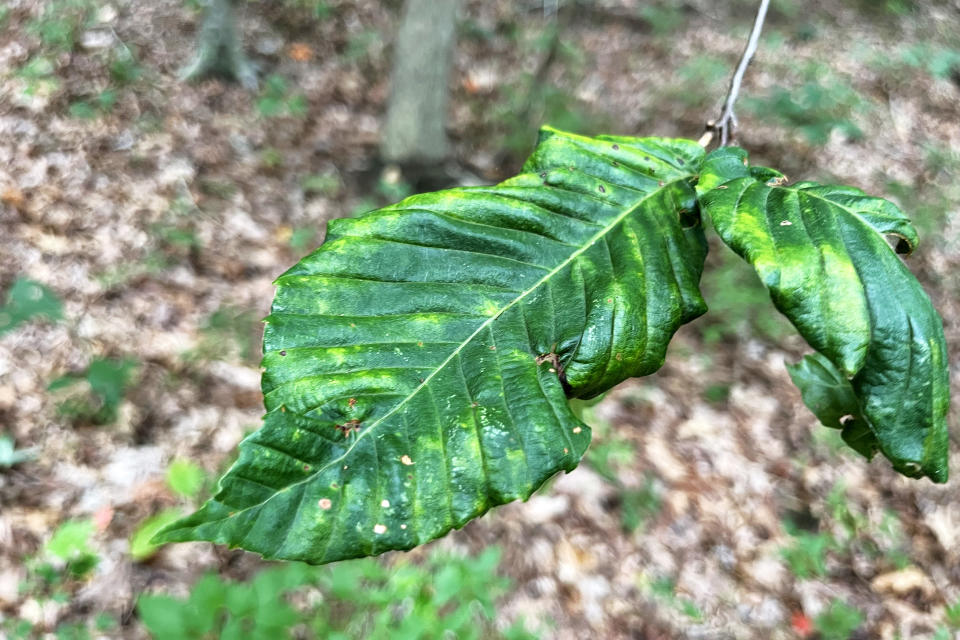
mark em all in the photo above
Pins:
pixel 220 47
pixel 414 133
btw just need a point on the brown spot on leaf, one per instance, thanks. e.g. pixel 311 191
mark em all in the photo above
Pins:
pixel 616 147
pixel 325 503
pixel 602 189
pixel 405 459
pixel 348 427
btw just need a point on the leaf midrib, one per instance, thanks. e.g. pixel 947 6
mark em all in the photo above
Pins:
pixel 486 323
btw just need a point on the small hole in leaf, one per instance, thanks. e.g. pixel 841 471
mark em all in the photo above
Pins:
pixel 899 243
pixel 689 218
pixel 911 468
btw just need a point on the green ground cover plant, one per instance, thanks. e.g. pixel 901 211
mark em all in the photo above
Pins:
pixel 27 300
pixel 94 395
pixel 445 596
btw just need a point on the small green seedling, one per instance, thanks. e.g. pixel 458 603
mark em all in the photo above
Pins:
pixel 27 300
pixel 324 184
pixel 38 76
pixel 276 100
pixel 185 478
pixel 807 555
pixel 124 68
pixel 665 589
pixel 105 382
pixel 639 506
pixel 952 613
pixel 95 106
pixel 839 621
pixel 70 547
pixel 10 455
pixel 60 24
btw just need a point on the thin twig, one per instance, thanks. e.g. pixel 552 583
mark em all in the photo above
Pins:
pixel 726 124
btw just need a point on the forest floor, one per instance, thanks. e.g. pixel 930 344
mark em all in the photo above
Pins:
pixel 712 505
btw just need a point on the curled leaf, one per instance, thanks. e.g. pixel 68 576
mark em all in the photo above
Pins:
pixel 822 251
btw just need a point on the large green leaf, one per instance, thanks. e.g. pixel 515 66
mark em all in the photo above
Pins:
pixel 822 252
pixel 418 365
